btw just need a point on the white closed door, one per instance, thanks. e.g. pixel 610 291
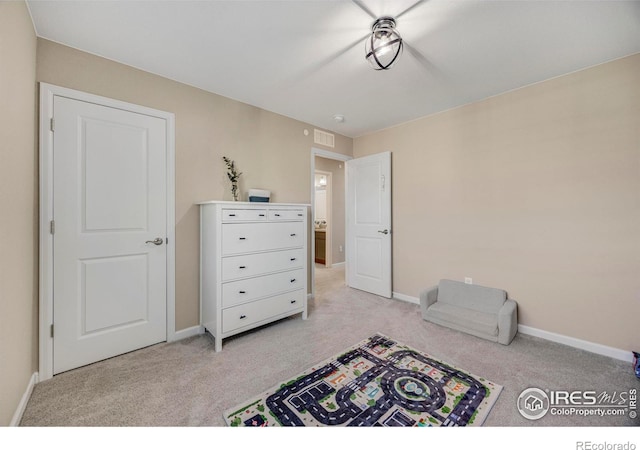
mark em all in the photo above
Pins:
pixel 368 251
pixel 109 252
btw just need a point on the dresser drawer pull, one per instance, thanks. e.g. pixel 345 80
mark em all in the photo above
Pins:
pixel 232 215
pixel 243 316
pixel 293 280
pixel 242 267
pixel 299 215
pixel 293 301
pixel 242 292
pixel 243 238
pixel 277 215
pixel 292 234
pixel 260 215
pixel 293 259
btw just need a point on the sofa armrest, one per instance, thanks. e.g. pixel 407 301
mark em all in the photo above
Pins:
pixel 507 322
pixel 427 298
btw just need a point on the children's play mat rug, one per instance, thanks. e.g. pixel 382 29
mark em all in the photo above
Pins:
pixel 378 382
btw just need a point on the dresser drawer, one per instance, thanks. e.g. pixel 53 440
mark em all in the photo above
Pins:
pixel 286 214
pixel 253 237
pixel 244 215
pixel 234 267
pixel 250 313
pixel 242 291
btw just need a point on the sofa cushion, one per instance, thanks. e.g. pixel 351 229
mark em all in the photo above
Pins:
pixel 471 296
pixel 465 318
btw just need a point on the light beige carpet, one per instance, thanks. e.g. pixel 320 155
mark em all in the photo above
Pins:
pixel 187 383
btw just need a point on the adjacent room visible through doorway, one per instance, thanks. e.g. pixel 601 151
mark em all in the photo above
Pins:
pixel 328 211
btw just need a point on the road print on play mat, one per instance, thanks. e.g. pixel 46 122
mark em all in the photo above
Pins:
pixel 377 382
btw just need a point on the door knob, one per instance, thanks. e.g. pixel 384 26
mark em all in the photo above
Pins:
pixel 383 231
pixel 157 241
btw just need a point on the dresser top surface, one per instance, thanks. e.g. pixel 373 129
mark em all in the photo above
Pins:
pixel 252 204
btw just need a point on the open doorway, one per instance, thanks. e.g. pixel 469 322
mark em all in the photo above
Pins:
pixel 322 216
pixel 328 214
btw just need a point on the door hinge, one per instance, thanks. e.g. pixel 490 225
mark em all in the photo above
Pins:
pixel 52 124
pixel 52 227
pixel 51 330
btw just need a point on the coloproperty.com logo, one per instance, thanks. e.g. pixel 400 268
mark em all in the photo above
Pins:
pixel 534 403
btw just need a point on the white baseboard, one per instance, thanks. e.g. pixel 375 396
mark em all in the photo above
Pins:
pixel 17 416
pixel 592 347
pixel 188 332
pixel 340 264
pixel 406 298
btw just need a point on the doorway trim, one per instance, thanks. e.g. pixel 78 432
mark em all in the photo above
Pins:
pixel 328 155
pixel 47 94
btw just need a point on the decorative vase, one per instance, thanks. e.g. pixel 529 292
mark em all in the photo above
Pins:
pixel 233 176
pixel 234 191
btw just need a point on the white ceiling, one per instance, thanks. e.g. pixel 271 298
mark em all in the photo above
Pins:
pixel 305 58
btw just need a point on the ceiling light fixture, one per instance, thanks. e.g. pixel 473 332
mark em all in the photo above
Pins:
pixel 338 118
pixel 384 45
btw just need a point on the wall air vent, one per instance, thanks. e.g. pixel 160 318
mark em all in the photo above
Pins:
pixel 324 138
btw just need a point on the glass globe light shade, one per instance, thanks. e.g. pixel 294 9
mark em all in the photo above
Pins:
pixel 384 46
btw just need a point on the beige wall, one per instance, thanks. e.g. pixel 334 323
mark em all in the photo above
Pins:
pixel 536 191
pixel 269 149
pixel 18 207
pixel 337 201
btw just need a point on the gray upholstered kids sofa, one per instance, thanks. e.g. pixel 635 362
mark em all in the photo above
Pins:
pixel 481 311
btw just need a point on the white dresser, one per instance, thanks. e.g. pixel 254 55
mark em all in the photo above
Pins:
pixel 253 265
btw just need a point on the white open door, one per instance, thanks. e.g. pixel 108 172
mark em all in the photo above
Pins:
pixel 368 246
pixel 109 241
